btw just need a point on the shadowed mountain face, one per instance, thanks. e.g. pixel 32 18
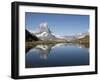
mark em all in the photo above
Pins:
pixel 30 37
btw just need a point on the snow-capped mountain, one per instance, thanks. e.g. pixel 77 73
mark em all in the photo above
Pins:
pixel 76 36
pixel 44 32
pixel 69 38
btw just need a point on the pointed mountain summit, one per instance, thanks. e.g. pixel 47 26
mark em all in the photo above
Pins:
pixel 44 32
pixel 44 27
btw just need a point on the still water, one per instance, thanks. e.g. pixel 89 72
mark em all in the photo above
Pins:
pixel 52 55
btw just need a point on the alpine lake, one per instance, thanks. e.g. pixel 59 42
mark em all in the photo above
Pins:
pixel 56 55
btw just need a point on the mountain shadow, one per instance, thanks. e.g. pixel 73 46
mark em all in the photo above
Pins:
pixel 30 37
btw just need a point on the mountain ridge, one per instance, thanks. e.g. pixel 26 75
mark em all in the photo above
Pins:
pixel 45 33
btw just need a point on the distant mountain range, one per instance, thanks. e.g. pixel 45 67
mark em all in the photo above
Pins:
pixel 44 33
pixel 76 36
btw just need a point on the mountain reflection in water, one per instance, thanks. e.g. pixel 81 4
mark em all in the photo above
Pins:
pixel 44 55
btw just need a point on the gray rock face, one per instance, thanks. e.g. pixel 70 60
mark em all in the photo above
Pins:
pixel 44 32
pixel 44 27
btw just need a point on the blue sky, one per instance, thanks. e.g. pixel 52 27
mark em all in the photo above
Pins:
pixel 60 24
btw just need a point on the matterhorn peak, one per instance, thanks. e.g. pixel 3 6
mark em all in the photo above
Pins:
pixel 44 27
pixel 44 24
pixel 44 32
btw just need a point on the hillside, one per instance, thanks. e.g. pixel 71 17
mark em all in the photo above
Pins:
pixel 84 40
pixel 30 37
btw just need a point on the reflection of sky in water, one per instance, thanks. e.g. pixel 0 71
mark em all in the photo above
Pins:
pixel 62 54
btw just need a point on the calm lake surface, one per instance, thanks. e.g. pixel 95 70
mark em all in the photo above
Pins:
pixel 52 55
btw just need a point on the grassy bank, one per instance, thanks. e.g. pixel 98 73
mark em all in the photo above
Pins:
pixel 34 43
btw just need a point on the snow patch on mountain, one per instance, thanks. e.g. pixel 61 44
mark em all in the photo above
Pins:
pixel 43 34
